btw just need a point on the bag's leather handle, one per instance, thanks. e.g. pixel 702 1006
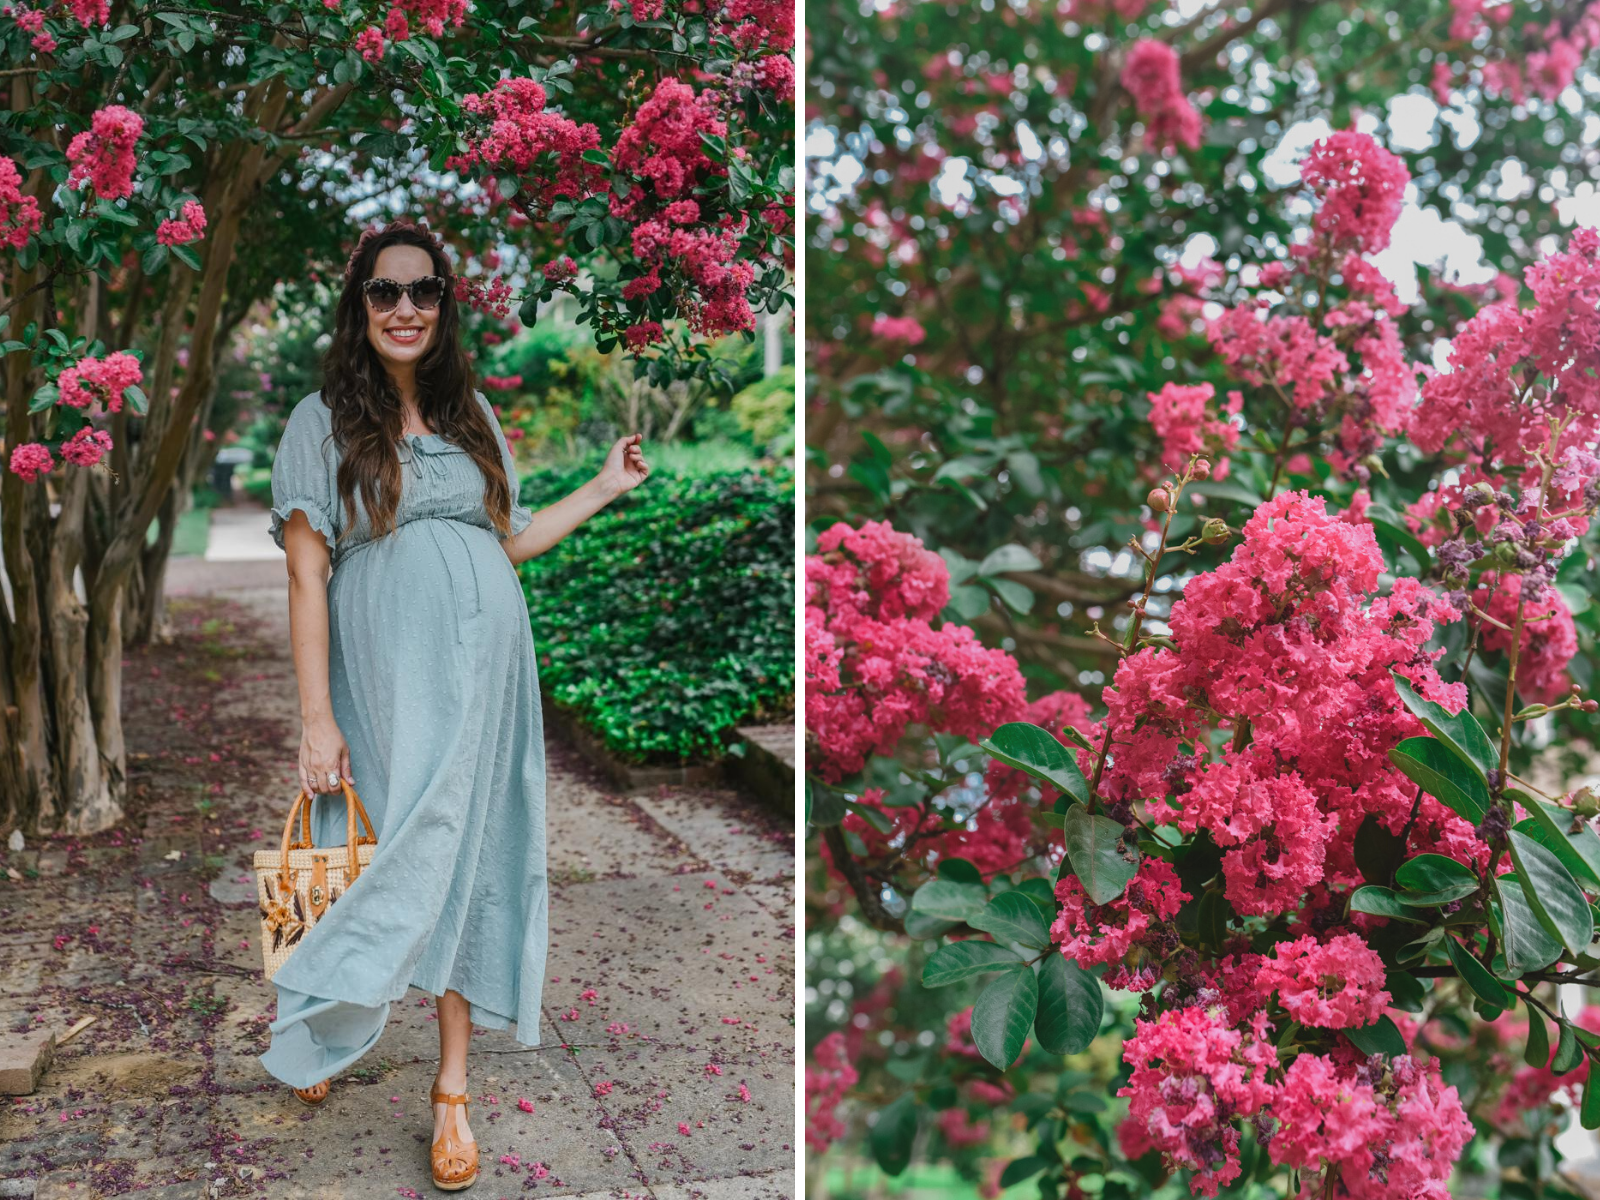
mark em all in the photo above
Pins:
pixel 354 810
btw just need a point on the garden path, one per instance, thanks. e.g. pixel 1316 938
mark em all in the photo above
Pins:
pixel 670 978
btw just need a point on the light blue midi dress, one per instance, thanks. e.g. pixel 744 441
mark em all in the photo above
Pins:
pixel 435 687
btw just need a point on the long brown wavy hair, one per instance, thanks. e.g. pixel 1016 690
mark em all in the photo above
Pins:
pixel 367 415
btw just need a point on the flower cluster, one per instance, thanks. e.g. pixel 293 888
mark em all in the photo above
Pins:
pixel 1193 1074
pixel 1337 984
pixel 1288 642
pixel 1379 1130
pixel 544 148
pixel 1133 934
pixel 829 1076
pixel 492 298
pixel 86 447
pixel 190 226
pixel 898 329
pixel 874 664
pixel 1513 371
pixel 1360 185
pixel 29 460
pixel 1184 421
pixel 20 217
pixel 1151 77
pixel 102 155
pixel 91 379
pixel 663 148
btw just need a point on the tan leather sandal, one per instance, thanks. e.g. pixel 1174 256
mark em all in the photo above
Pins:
pixel 455 1163
pixel 313 1095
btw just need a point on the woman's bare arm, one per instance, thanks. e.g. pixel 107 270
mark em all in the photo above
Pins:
pixel 322 746
pixel 624 470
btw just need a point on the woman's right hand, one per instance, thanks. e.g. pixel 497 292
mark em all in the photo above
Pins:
pixel 323 752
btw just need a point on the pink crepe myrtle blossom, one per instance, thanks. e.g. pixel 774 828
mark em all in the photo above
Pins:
pixel 829 1076
pixel 517 129
pixel 20 217
pixel 1186 423
pixel 1361 187
pixel 1132 934
pixel 102 155
pixel 29 460
pixel 1380 1133
pixel 1337 984
pixel 1549 637
pixel 869 678
pixel 86 447
pixel 898 329
pixel 1151 77
pixel 1193 1076
pixel 91 379
pixel 189 226
pixel 370 45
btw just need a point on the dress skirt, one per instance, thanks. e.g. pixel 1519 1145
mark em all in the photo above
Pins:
pixel 435 687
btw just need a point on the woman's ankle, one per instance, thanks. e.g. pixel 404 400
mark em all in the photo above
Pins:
pixel 453 1082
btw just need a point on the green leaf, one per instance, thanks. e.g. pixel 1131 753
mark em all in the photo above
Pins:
pixel 964 960
pixel 893 1133
pixel 186 256
pixel 1003 1015
pixel 827 807
pixel 1017 596
pixel 1392 526
pixel 47 395
pixel 1557 901
pixel 1070 1006
pixel 1568 1052
pixel 137 400
pixel 1011 557
pixel 1527 946
pixel 1405 990
pixel 1381 902
pixel 1030 748
pixel 1476 976
pixel 1377 851
pixel 1094 848
pixel 960 870
pixel 1014 917
pixel 1019 1169
pixel 1461 732
pixel 926 928
pixel 1571 839
pixel 1437 770
pixel 1537 1052
pixel 1430 879
pixel 1381 1037
pixel 1589 1114
pixel 949 901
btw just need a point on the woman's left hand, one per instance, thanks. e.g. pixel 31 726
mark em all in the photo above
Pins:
pixel 625 468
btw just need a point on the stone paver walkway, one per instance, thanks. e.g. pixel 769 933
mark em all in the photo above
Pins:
pixel 668 1069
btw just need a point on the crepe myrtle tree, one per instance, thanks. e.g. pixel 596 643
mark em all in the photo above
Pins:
pixel 636 155
pixel 1023 222
pixel 1288 864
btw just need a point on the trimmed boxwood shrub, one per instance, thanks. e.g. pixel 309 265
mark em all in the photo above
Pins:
pixel 668 617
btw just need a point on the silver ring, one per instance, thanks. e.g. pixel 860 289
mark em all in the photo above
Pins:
pixel 333 779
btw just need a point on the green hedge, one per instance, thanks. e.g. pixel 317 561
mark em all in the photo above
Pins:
pixel 668 617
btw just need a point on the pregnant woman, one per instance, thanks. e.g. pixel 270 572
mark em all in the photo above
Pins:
pixel 395 499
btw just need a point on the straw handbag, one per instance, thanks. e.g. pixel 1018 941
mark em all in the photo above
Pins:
pixel 296 883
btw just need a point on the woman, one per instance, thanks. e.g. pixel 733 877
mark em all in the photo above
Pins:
pixel 395 500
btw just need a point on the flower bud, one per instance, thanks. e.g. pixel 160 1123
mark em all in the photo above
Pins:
pixel 1159 500
pixel 1202 469
pixel 1215 531
pixel 1584 802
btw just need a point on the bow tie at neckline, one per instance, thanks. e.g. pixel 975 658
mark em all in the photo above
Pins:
pixel 426 443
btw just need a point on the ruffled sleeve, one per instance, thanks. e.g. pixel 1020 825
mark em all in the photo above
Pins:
pixel 303 471
pixel 521 518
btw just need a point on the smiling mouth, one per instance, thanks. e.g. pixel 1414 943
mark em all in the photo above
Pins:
pixel 404 336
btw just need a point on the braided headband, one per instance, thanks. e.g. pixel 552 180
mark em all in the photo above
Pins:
pixel 372 231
